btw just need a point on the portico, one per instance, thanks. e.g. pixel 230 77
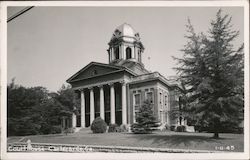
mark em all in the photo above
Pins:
pixel 104 100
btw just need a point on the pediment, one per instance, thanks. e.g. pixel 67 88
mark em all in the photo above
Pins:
pixel 93 69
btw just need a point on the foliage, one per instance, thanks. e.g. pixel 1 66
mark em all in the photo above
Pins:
pixel 181 128
pixel 34 110
pixel 69 130
pixel 99 125
pixel 212 73
pixel 68 98
pixel 172 128
pixel 113 128
pixel 24 108
pixel 145 119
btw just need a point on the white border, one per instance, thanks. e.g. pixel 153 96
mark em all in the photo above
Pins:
pixel 3 71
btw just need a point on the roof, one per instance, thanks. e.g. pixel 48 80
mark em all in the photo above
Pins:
pixel 126 30
pixel 134 66
pixel 154 76
pixel 115 67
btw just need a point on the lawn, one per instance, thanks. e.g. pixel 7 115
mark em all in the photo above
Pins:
pixel 168 139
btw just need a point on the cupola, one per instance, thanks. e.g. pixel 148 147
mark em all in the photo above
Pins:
pixel 125 44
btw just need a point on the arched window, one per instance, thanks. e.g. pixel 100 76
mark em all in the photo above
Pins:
pixel 117 53
pixel 128 53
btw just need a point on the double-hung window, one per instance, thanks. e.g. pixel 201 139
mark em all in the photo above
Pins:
pixel 149 97
pixel 137 104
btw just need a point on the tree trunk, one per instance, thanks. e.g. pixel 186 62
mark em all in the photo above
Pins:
pixel 216 128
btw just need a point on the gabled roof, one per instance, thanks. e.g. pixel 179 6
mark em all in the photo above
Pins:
pixel 111 69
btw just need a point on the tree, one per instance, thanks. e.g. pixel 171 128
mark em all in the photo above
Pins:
pixel 213 73
pixel 68 99
pixel 145 119
pixel 36 111
pixel 69 102
pixel 24 109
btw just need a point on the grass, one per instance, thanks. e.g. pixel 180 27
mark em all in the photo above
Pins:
pixel 173 140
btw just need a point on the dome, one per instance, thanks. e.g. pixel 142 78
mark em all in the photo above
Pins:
pixel 125 44
pixel 126 30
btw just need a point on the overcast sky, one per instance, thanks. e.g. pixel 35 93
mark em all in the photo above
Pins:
pixel 47 45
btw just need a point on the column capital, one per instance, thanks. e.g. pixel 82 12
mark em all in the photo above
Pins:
pixel 123 82
pixel 81 89
pixel 90 88
pixel 100 86
pixel 111 83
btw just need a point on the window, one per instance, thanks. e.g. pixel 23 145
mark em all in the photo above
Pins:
pixel 117 53
pixel 149 97
pixel 137 101
pixel 166 100
pixel 128 53
pixel 160 98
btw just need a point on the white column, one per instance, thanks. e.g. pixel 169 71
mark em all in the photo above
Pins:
pixel 73 120
pixel 92 107
pixel 124 103
pixel 133 52
pixel 82 109
pixel 112 104
pixel 102 115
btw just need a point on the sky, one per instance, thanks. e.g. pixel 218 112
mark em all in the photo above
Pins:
pixel 47 45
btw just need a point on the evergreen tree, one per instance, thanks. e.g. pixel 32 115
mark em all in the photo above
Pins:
pixel 145 119
pixel 213 73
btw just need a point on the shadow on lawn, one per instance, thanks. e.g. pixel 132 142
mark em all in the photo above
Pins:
pixel 177 140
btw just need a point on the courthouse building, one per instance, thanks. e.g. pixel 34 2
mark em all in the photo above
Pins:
pixel 116 90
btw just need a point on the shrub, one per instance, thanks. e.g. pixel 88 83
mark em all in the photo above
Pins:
pixel 113 128
pixel 69 130
pixel 137 129
pixel 181 128
pixel 45 128
pixel 98 125
pixel 172 128
pixel 56 129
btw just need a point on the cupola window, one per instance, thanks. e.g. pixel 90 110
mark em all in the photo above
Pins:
pixel 128 53
pixel 117 53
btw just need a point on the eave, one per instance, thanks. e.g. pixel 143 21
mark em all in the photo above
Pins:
pixel 90 64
